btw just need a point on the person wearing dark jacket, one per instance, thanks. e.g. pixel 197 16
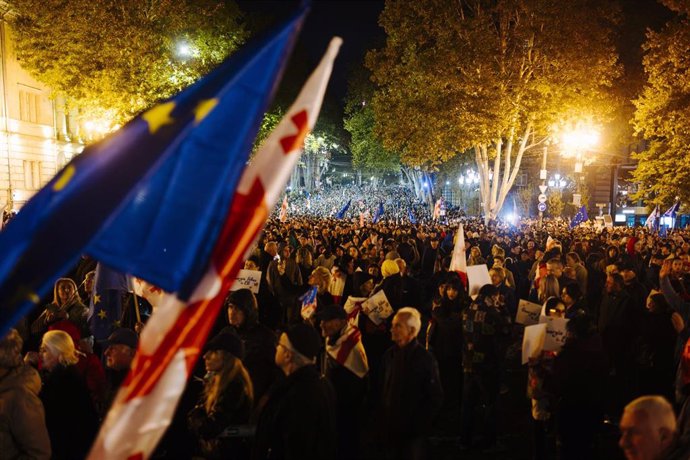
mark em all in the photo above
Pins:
pixel 259 341
pixel 23 432
pixel 485 328
pixel 444 341
pixel 412 394
pixel 298 420
pixel 70 415
pixel 577 384
pixel 225 405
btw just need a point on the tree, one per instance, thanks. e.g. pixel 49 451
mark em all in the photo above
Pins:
pixel 489 78
pixel 662 114
pixel 114 59
pixel 367 151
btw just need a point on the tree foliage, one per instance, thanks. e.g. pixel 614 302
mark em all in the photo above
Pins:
pixel 117 58
pixel 662 113
pixel 367 150
pixel 490 77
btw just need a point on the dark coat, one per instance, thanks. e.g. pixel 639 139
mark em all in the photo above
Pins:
pixel 298 421
pixel 232 409
pixel 259 356
pixel 411 395
pixel 70 415
pixel 23 431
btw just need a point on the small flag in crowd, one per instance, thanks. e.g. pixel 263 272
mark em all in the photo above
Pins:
pixel 105 308
pixel 309 303
pixel 458 262
pixel 580 216
pixel 284 209
pixel 379 213
pixel 652 221
pixel 343 210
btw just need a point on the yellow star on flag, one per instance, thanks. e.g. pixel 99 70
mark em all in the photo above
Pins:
pixel 102 314
pixel 159 116
pixel 64 179
pixel 96 299
pixel 203 109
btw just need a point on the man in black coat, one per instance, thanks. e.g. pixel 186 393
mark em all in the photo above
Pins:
pixel 411 395
pixel 298 420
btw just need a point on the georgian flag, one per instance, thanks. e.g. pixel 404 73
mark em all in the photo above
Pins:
pixel 284 209
pixel 349 352
pixel 458 262
pixel 175 334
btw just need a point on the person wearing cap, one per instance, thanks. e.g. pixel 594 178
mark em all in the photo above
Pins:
pixel 345 365
pixel 23 432
pixel 411 393
pixel 637 291
pixel 258 340
pixel 119 354
pixel 298 420
pixel 226 402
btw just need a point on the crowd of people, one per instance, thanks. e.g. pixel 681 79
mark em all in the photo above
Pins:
pixel 399 203
pixel 362 343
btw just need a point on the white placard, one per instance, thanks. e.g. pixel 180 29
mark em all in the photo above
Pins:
pixel 533 341
pixel 377 307
pixel 247 279
pixel 555 332
pixel 527 313
pixel 477 277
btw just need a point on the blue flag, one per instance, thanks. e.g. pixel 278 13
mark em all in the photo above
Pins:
pixel 379 213
pixel 652 221
pixel 673 210
pixel 175 166
pixel 344 209
pixel 580 217
pixel 411 216
pixel 105 308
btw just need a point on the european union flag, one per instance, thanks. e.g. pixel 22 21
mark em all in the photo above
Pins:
pixel 175 166
pixel 344 209
pixel 379 213
pixel 580 217
pixel 105 308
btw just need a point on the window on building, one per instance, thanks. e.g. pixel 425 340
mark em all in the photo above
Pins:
pixel 34 107
pixel 32 175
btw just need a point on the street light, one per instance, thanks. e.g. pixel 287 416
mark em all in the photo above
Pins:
pixel 575 142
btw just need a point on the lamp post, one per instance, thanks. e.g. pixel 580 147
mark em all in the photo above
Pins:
pixel 575 142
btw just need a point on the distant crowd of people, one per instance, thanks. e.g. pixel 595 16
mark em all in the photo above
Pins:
pixel 362 343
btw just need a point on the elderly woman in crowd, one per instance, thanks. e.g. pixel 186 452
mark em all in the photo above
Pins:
pixel 70 415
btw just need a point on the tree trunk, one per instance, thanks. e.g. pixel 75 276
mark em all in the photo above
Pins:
pixel 497 180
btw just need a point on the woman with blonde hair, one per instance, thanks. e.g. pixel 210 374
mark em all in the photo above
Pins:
pixel 70 415
pixel 66 305
pixel 226 402
pixel 548 287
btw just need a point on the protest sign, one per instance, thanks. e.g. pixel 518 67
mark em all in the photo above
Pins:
pixel 533 341
pixel 477 276
pixel 555 332
pixel 527 313
pixel 377 307
pixel 247 279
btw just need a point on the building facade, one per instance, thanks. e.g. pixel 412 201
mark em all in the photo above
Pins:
pixel 38 136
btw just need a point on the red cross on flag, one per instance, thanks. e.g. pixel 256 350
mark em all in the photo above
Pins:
pixel 175 334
